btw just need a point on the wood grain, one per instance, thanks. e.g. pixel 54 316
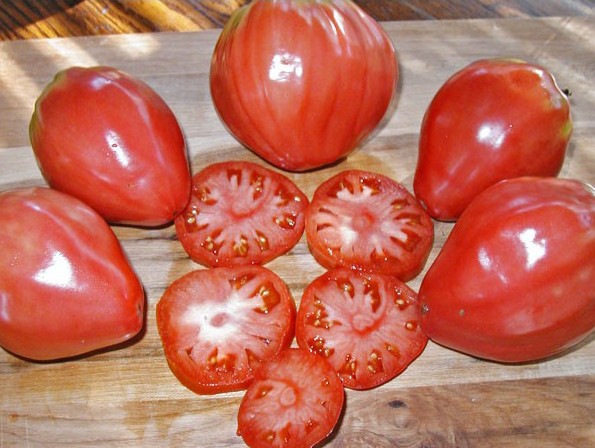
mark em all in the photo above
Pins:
pixel 495 414
pixel 129 398
pixel 27 19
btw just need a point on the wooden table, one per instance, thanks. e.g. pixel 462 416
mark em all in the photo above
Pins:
pixel 129 398
pixel 26 19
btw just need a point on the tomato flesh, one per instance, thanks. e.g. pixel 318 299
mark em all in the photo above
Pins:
pixel 367 221
pixel 241 213
pixel 294 402
pixel 366 325
pixel 217 325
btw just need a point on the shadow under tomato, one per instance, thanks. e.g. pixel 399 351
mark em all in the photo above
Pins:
pixel 589 339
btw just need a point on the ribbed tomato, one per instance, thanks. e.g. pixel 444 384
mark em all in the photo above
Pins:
pixel 302 83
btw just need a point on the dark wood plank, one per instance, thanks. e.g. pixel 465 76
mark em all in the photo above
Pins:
pixel 512 414
pixel 472 9
pixel 27 19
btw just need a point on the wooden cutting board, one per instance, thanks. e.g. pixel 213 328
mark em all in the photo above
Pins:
pixel 129 398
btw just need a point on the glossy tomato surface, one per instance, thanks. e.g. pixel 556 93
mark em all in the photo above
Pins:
pixel 217 325
pixel 110 140
pixel 302 83
pixel 366 325
pixel 294 402
pixel 66 286
pixel 241 213
pixel 367 221
pixel 515 280
pixel 495 119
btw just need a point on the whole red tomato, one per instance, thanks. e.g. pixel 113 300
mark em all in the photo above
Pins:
pixel 108 139
pixel 495 119
pixel 66 287
pixel 302 83
pixel 515 280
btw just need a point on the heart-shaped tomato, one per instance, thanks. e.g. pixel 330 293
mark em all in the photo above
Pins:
pixel 515 280
pixel 495 119
pixel 66 287
pixel 110 140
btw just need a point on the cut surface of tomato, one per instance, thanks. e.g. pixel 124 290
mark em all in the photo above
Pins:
pixel 241 213
pixel 366 325
pixel 370 222
pixel 216 325
pixel 295 401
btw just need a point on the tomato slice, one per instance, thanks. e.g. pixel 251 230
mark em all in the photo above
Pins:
pixel 294 402
pixel 370 222
pixel 241 213
pixel 366 325
pixel 217 325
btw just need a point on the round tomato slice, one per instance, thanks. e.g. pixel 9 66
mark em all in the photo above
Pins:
pixel 217 325
pixel 369 222
pixel 241 213
pixel 294 402
pixel 366 325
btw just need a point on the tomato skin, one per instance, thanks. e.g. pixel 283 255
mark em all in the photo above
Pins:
pixel 366 221
pixel 108 139
pixel 495 119
pixel 515 280
pixel 241 213
pixel 302 83
pixel 295 401
pixel 218 325
pixel 366 325
pixel 69 289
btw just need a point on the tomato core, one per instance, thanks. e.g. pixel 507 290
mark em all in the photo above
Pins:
pixel 241 208
pixel 363 323
pixel 220 319
pixel 363 220
pixel 288 397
